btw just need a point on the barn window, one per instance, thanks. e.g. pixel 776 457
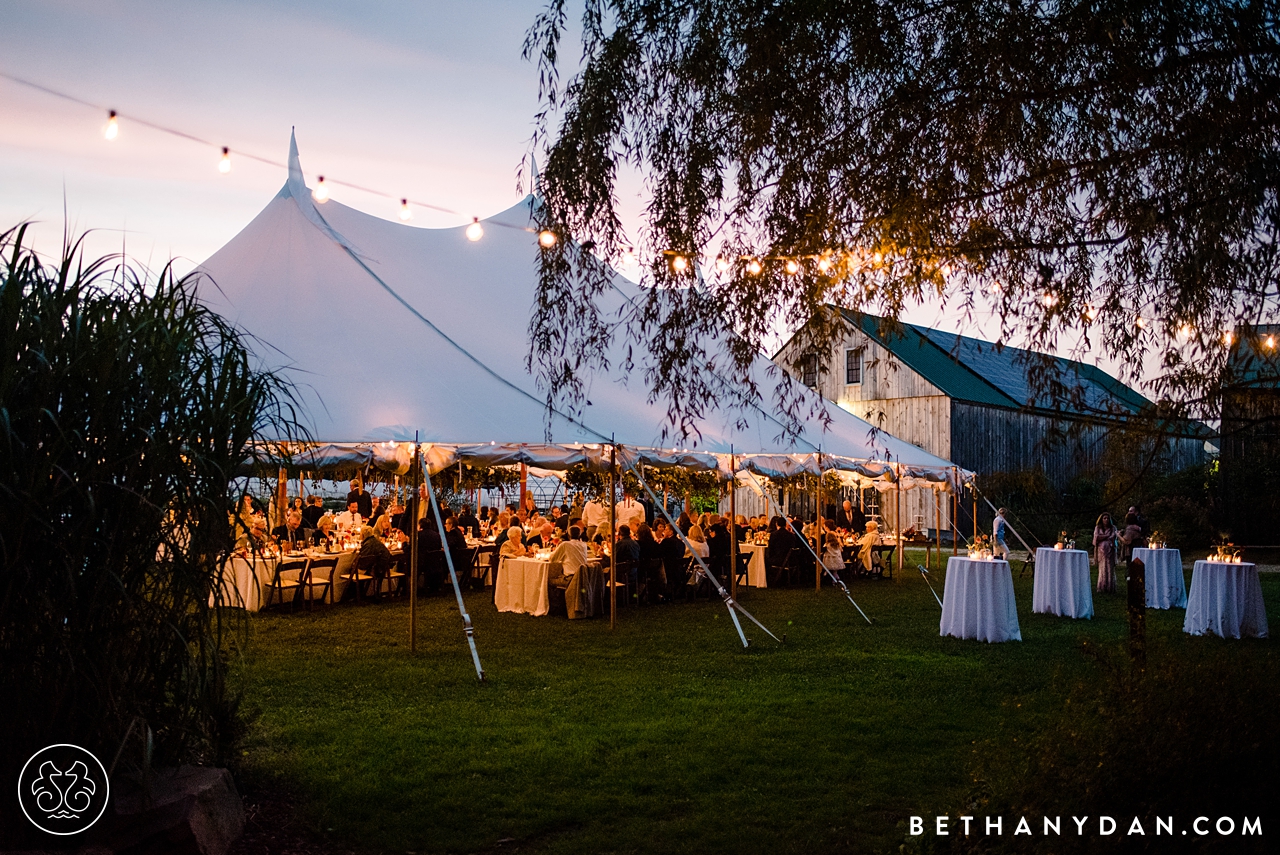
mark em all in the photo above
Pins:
pixel 809 370
pixel 853 367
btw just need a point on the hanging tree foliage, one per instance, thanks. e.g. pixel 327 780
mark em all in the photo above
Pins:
pixel 1102 174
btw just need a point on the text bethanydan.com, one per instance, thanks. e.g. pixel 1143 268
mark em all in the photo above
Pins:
pixel 1102 826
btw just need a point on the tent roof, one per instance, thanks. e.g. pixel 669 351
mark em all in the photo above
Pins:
pixel 390 329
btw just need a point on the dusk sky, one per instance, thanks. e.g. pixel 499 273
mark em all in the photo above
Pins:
pixel 429 100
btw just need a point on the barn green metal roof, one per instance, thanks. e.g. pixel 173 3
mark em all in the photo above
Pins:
pixel 981 372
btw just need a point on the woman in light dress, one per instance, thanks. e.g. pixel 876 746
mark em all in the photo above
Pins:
pixel 832 557
pixel 869 539
pixel 1104 545
pixel 513 546
pixel 698 542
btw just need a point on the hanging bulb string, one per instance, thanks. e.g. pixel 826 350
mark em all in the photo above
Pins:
pixel 225 151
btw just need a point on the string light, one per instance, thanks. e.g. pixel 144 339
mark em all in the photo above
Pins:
pixel 1141 322
pixel 547 238
pixel 405 214
pixel 1050 300
pixel 1271 342
pixel 224 165
pixel 792 267
pixel 1184 332
pixel 995 288
pixel 753 267
pixel 1227 338
pixel 321 193
pixel 113 126
pixel 824 265
pixel 475 231
pixel 1091 311
pixel 629 255
pixel 722 264
pixel 679 264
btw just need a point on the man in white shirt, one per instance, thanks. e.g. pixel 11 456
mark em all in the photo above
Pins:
pixel 629 512
pixel 594 513
pixel 569 557
pixel 350 519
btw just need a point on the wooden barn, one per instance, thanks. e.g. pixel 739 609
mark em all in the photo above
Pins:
pixel 970 401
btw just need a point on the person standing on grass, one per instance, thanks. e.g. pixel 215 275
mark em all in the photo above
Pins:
pixel 999 531
pixel 1104 544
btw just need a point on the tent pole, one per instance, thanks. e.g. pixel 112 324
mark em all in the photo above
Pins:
pixel 817 529
pixel 733 523
pixel 897 514
pixel 413 556
pixel 937 519
pixel 613 540
pixel 524 483
pixel 974 492
pixel 955 511
pixel 467 629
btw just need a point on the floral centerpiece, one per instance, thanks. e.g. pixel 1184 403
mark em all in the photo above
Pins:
pixel 1062 540
pixel 1226 552
pixel 1157 540
pixel 980 549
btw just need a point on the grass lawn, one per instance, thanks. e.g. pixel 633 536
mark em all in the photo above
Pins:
pixel 664 735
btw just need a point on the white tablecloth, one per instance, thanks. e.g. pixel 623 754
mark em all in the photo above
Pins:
pixel 1226 600
pixel 245 580
pixel 1166 587
pixel 522 586
pixel 977 601
pixel 1062 583
pixel 755 567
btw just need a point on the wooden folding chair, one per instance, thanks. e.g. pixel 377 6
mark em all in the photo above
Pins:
pixel 279 584
pixel 320 575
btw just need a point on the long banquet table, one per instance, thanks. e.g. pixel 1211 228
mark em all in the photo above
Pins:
pixel 1225 600
pixel 1062 583
pixel 978 601
pixel 1166 587
pixel 245 580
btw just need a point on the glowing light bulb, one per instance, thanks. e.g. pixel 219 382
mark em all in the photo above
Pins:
pixel 877 257
pixel 1050 300
pixel 995 288
pixel 679 264
pixel 1091 312
pixel 629 255
pixel 475 231
pixel 792 267
pixel 722 264
pixel 754 268
pixel 547 238
pixel 321 193
pixel 1141 322
pixel 113 126
pixel 1227 338
pixel 824 265
pixel 224 165
pixel 1271 342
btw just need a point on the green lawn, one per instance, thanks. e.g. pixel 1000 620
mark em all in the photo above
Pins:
pixel 664 735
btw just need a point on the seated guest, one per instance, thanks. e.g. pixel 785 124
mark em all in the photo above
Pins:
pixel 377 509
pixel 504 526
pixel 684 523
pixel 373 558
pixel 602 538
pixel 698 542
pixel 671 550
pixel 292 535
pixel 324 533
pixel 717 534
pixel 560 517
pixel 382 528
pixel 542 540
pixel 513 545
pixel 743 528
pixel 569 558
pixel 650 556
pixel 866 543
pixel 832 557
pixel 351 519
pixel 428 537
pixel 628 549
pixel 312 513
pixel 782 543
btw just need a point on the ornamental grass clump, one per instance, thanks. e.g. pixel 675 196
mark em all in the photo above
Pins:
pixel 126 407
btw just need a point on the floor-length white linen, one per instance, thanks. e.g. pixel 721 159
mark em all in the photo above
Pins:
pixel 1166 586
pixel 1225 600
pixel 755 567
pixel 245 581
pixel 978 601
pixel 522 586
pixel 1062 583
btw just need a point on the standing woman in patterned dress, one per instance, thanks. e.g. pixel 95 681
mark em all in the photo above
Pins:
pixel 1104 542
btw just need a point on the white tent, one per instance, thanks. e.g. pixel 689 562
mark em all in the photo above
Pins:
pixel 391 329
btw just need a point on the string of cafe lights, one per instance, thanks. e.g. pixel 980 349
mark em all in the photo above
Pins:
pixel 826 263
pixel 111 131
